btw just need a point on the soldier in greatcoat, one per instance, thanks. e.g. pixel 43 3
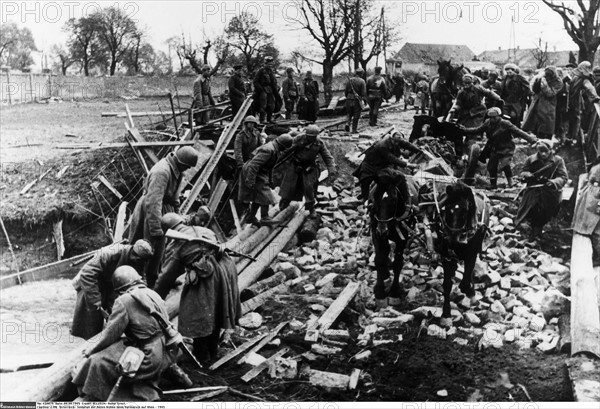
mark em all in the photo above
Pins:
pixel 95 293
pixel 255 191
pixel 355 92
pixel 301 177
pixel 203 96
pixel 237 89
pixel 160 197
pixel 266 95
pixel 376 92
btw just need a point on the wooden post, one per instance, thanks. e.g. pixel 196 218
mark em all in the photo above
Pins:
pixel 31 87
pixel 8 90
pixel 174 116
pixel 120 222
pixel 50 85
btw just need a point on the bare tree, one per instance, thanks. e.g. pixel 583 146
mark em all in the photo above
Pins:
pixel 83 43
pixel 372 34
pixel 188 51
pixel 582 24
pixel 118 33
pixel 245 35
pixel 65 59
pixel 327 22
pixel 540 54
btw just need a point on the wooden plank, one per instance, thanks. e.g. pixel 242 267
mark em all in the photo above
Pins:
pixel 237 351
pixel 254 372
pixel 220 149
pixel 333 103
pixel 585 379
pixel 110 187
pixel 62 268
pixel 209 395
pixel 216 195
pixel 585 315
pixel 15 363
pixel 327 319
pixel 137 137
pixel 137 114
pixel 57 232
pixel 193 390
pixel 120 222
pixel 272 334
pixel 236 219
pixel 354 378
pixel 117 145
pixel 255 302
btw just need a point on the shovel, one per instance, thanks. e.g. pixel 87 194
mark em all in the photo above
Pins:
pixel 128 365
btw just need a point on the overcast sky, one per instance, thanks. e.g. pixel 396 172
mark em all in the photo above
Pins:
pixel 481 25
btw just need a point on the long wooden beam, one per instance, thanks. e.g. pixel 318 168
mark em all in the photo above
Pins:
pixel 220 149
pixel 116 145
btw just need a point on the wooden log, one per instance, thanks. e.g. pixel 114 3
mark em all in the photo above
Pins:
pixel 242 348
pixel 260 299
pixel 236 219
pixel 585 315
pixel 263 285
pixel 247 231
pixel 110 187
pixel 309 229
pixel 272 334
pixel 57 232
pixel 119 145
pixel 224 140
pixel 254 372
pixel 244 262
pixel 252 272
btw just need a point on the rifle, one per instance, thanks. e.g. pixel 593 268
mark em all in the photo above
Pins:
pixel 174 234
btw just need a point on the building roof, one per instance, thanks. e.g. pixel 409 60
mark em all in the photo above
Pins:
pixel 524 57
pixel 413 53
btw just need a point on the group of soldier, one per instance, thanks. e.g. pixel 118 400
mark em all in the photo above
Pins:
pixel 123 288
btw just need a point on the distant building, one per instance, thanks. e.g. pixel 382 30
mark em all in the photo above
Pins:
pixel 525 57
pixel 424 57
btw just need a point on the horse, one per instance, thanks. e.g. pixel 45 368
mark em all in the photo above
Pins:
pixel 460 220
pixel 444 87
pixel 392 202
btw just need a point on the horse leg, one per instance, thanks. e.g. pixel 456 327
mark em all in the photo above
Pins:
pixel 382 251
pixel 466 284
pixel 394 295
pixel 449 265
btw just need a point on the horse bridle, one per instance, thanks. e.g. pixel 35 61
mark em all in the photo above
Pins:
pixel 394 217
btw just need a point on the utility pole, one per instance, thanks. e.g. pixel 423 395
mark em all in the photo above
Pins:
pixel 384 38
pixel 357 30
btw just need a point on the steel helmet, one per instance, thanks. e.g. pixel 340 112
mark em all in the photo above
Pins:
pixel 125 276
pixel 251 118
pixel 313 130
pixel 170 221
pixel 187 156
pixel 284 141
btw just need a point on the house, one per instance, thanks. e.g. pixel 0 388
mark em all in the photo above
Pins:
pixel 526 57
pixel 423 57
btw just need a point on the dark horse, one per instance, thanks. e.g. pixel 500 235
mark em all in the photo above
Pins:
pixel 444 87
pixel 393 198
pixel 461 222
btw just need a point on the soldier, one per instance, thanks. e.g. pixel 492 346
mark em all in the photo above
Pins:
pixel 302 174
pixel 237 89
pixel 246 141
pixel 291 92
pixel 515 93
pixel 160 196
pixel 398 90
pixel 376 91
pixel 95 293
pixel 500 146
pixel 210 298
pixel 382 154
pixel 355 92
pixel 587 212
pixel 541 115
pixel 545 174
pixel 492 84
pixel 596 74
pixel 310 91
pixel 582 87
pixel 132 317
pixel 468 107
pixel 203 95
pixel 255 190
pixel 265 91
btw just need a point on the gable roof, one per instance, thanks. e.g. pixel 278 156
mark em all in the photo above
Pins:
pixel 524 57
pixel 414 53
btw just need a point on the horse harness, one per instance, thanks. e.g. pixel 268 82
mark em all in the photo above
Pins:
pixel 400 220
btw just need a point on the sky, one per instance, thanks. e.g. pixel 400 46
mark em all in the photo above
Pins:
pixel 481 25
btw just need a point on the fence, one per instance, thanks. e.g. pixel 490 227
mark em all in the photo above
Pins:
pixel 19 87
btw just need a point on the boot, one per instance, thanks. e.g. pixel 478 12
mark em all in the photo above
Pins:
pixel 347 128
pixel 509 182
pixel 176 374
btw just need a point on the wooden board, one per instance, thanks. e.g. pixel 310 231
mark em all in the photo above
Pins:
pixel 242 348
pixel 120 222
pixel 254 303
pixel 254 372
pixel 137 137
pixel 272 334
pixel 335 309
pixel 119 145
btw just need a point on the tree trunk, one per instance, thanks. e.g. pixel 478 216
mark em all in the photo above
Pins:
pixel 327 81
pixel 86 67
pixel 113 63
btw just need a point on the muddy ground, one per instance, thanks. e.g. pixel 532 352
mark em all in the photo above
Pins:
pixel 418 368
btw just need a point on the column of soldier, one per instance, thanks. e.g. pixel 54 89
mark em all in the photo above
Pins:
pixel 121 291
